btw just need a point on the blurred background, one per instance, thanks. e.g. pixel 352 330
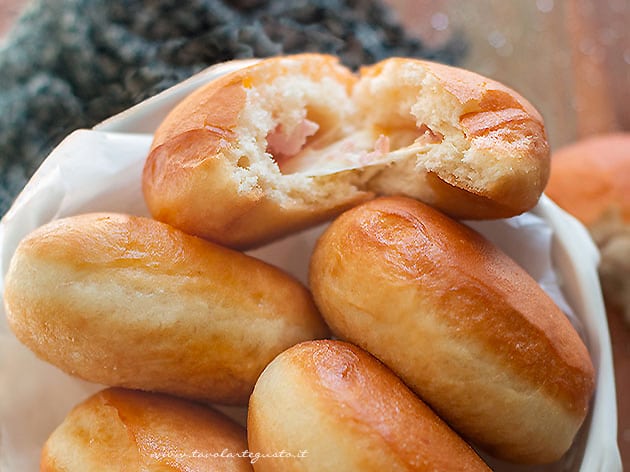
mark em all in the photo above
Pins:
pixel 570 58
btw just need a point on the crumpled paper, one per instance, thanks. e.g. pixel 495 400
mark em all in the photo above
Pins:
pixel 100 170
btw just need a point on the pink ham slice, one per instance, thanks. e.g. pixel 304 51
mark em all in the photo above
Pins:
pixel 282 145
pixel 292 154
pixel 381 147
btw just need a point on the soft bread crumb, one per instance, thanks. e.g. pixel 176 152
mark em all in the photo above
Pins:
pixel 403 103
pixel 325 102
pixel 336 168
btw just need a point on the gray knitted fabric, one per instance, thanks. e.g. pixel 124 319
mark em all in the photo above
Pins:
pixel 69 64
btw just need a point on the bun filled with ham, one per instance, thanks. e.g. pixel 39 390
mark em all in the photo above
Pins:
pixel 292 141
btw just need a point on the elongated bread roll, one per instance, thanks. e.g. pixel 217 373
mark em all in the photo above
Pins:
pixel 591 180
pixel 292 141
pixel 132 302
pixel 334 407
pixel 460 322
pixel 118 429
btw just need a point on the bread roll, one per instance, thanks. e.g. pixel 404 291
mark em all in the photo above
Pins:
pixel 465 327
pixel 117 429
pixel 591 180
pixel 131 302
pixel 294 140
pixel 340 409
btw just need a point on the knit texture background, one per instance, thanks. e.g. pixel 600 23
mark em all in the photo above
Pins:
pixel 69 64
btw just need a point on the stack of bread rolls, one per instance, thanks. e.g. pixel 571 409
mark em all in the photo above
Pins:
pixel 444 345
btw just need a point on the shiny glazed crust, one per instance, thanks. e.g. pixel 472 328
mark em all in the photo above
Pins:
pixel 132 302
pixel 458 141
pixel 348 412
pixel 465 327
pixel 119 429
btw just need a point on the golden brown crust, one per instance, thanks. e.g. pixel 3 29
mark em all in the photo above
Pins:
pixel 463 204
pixel 128 301
pixel 119 429
pixel 592 177
pixel 463 325
pixel 335 398
pixel 495 166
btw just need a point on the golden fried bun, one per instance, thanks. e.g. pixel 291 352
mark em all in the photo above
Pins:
pixel 131 302
pixel 292 141
pixel 462 324
pixel 118 429
pixel 334 407
pixel 591 180
pixel 591 177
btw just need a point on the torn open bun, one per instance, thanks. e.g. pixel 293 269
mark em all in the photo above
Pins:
pixel 294 140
